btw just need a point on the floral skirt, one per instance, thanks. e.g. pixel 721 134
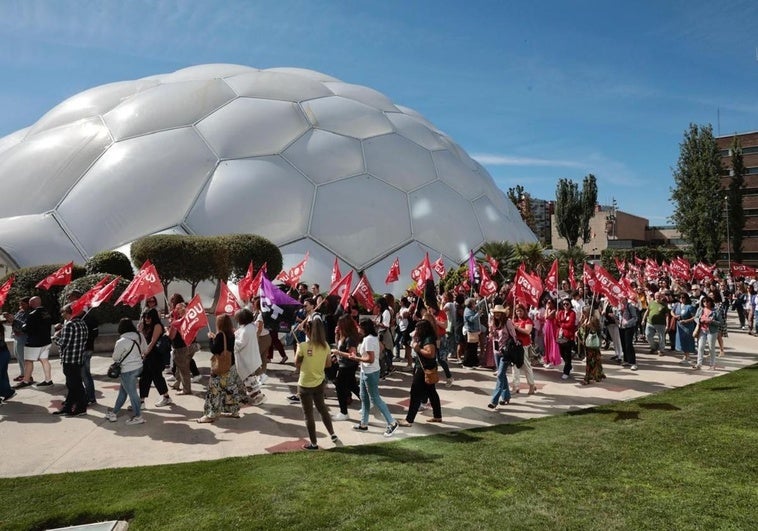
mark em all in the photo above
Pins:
pixel 223 396
pixel 594 365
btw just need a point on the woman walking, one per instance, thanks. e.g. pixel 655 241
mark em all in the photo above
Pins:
pixel 348 341
pixel 311 359
pixel 368 356
pixel 593 361
pixel 154 361
pixel 707 331
pixel 501 330
pixel 549 335
pixel 424 346
pixel 128 352
pixel 223 395
pixel 684 315
pixel 523 327
pixel 565 320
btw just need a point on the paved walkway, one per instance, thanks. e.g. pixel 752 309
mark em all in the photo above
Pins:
pixel 36 442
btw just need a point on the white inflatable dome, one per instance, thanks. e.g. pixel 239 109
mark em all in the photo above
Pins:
pixel 308 161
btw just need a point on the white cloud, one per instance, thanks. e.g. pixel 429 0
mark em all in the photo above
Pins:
pixel 511 160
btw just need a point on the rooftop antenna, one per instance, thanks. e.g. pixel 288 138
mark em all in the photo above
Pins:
pixel 718 121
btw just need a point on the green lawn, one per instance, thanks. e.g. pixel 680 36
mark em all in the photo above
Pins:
pixel 683 459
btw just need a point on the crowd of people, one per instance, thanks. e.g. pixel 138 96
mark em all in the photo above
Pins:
pixel 423 333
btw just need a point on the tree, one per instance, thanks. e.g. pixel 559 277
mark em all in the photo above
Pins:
pixel 696 182
pixel 523 202
pixel 736 217
pixel 505 254
pixel 112 262
pixel 532 255
pixel 574 210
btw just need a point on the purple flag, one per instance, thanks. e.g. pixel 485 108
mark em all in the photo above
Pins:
pixel 272 298
pixel 471 268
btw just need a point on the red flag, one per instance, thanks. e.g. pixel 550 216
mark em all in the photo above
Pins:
pixel 487 286
pixel 256 284
pixel 336 274
pixel 5 289
pixel 680 269
pixel 105 293
pixel 342 289
pixel 283 276
pixel 146 283
pixel 589 278
pixel 79 304
pixel 364 294
pixel 629 290
pixel 227 302
pixel 494 264
pixel 608 285
pixel 639 262
pixel 394 273
pixel 292 277
pixel 245 285
pixel 62 277
pixel 742 270
pixel 528 287
pixel 572 275
pixel 194 319
pixel 439 267
pixel 702 271
pixel 621 266
pixel 422 272
pixel 551 281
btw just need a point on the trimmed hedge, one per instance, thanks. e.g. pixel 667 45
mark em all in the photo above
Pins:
pixel 112 262
pixel 28 277
pixel 246 247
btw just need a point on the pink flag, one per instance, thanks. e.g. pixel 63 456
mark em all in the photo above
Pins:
pixel 551 281
pixel 439 267
pixel 336 274
pixel 227 302
pixel 245 285
pixel 342 289
pixel 194 319
pixel 364 294
pixel 62 277
pixel 5 289
pixel 146 283
pixel 105 293
pixel 85 300
pixel 472 269
pixel 394 273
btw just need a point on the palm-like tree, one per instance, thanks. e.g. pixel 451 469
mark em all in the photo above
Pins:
pixel 505 254
pixel 533 257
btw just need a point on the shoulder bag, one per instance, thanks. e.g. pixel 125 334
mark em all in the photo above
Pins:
pixel 221 363
pixel 114 370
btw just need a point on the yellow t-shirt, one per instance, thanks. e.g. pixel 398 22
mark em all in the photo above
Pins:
pixel 313 361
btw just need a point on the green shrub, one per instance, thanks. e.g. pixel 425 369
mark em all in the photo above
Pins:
pixel 106 312
pixel 26 280
pixel 112 262
pixel 246 247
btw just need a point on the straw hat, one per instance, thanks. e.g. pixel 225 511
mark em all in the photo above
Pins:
pixel 498 309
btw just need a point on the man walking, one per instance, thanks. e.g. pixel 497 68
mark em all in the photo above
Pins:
pixel 72 340
pixel 37 329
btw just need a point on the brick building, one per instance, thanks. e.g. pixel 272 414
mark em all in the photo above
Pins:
pixel 749 144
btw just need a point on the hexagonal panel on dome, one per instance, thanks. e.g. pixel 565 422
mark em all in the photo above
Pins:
pixel 323 156
pixel 409 256
pixel 277 86
pixel 444 220
pixel 346 117
pixel 263 196
pixel 137 188
pixel 207 71
pixel 39 171
pixel 320 262
pixel 167 106
pixel 359 218
pixel 36 239
pixel 417 115
pixel 370 97
pixel 252 127
pixel 9 141
pixel 492 221
pixel 415 131
pixel 304 72
pixel 399 161
pixel 453 172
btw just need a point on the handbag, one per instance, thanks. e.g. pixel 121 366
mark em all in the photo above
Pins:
pixel 513 352
pixel 431 376
pixel 472 337
pixel 592 341
pixel 561 338
pixel 221 363
pixel 114 369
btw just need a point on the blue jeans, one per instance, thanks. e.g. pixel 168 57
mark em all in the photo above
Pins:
pixel 89 383
pixel 5 384
pixel 650 332
pixel 710 338
pixel 370 395
pixel 442 353
pixel 502 391
pixel 129 387
pixel 18 350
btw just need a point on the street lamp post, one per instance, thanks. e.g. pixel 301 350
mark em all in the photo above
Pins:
pixel 728 241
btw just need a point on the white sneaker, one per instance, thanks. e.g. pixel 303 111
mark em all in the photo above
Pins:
pixel 135 420
pixel 258 399
pixel 423 407
pixel 633 367
pixel 170 378
pixel 165 401
pixel 340 416
pixel 197 379
pixel 262 378
pixel 449 382
pixel 111 416
pixel 564 376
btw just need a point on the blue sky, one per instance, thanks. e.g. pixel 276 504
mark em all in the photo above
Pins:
pixel 535 91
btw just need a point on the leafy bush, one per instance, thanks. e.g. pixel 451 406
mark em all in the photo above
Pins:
pixel 26 280
pixel 106 312
pixel 112 262
pixel 246 247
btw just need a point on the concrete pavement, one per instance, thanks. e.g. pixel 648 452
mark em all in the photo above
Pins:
pixel 37 442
